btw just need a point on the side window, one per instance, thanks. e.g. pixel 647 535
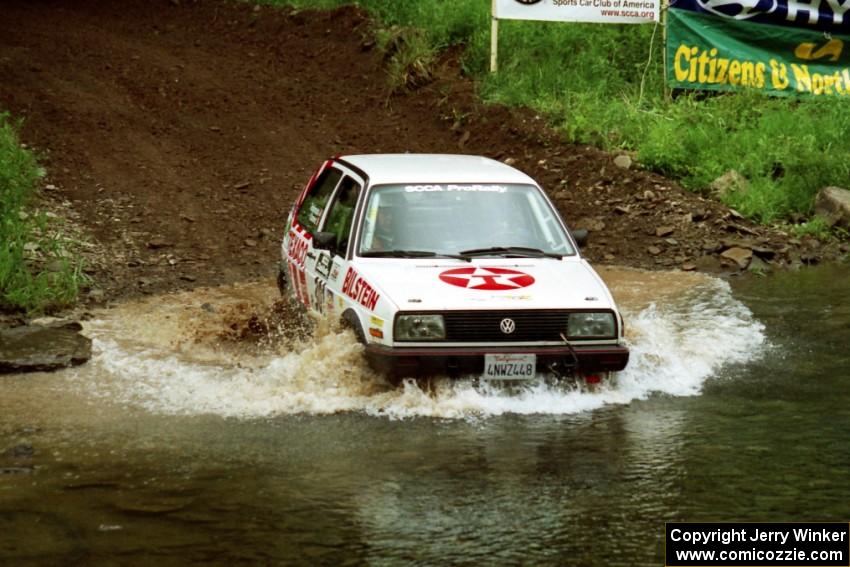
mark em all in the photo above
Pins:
pixel 341 214
pixel 314 204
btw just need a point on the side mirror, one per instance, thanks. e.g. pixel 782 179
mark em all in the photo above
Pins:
pixel 580 236
pixel 324 240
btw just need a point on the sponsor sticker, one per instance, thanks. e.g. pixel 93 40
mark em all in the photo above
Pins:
pixel 359 290
pixel 489 279
pixel 323 265
pixel 450 188
pixel 297 250
pixel 377 321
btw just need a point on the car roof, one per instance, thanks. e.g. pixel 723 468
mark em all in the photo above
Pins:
pixel 385 169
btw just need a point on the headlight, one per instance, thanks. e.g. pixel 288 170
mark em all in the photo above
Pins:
pixel 419 328
pixel 591 325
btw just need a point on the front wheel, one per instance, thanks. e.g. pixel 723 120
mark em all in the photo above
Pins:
pixel 351 321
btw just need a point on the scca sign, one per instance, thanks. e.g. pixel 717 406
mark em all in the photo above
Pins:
pixel 600 11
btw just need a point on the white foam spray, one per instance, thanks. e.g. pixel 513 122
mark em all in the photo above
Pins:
pixel 677 341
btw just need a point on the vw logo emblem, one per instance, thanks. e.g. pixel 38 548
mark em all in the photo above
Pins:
pixel 507 326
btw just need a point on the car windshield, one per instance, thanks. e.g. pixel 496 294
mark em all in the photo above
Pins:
pixel 466 219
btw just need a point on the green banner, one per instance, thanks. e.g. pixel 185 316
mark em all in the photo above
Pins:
pixel 715 53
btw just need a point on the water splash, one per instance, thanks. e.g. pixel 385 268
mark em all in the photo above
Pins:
pixel 680 335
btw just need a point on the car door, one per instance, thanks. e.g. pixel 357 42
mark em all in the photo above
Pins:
pixel 332 263
pixel 308 215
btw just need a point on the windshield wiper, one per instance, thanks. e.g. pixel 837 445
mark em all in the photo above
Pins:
pixel 411 254
pixel 512 251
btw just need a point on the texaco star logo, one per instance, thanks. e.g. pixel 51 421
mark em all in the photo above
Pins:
pixel 490 279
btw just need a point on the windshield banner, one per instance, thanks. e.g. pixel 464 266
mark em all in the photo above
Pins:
pixel 599 11
pixel 777 46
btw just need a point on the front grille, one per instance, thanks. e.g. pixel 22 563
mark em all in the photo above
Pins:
pixel 484 326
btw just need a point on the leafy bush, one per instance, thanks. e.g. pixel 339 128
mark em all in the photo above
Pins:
pixel 35 270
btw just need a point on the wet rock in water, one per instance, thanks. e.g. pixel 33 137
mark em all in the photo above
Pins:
pixel 757 249
pixel 758 266
pixel 833 204
pixel 34 348
pixel 763 252
pixel 47 321
pixel 810 258
pixel 654 250
pixel 741 256
pixel 663 231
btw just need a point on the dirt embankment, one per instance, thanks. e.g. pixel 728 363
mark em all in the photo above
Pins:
pixel 179 133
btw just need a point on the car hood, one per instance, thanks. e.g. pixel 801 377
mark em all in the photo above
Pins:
pixel 488 283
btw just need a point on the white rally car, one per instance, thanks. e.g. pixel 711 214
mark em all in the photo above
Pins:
pixel 449 264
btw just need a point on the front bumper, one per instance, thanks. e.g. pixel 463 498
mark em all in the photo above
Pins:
pixel 419 361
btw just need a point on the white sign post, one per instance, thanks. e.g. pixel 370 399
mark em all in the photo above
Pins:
pixel 597 11
pixel 494 38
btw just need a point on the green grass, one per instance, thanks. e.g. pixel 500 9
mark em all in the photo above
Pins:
pixel 599 85
pixel 36 271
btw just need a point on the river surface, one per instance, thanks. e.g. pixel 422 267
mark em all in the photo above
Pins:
pixel 182 441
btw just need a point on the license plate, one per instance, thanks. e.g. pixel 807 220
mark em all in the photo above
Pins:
pixel 510 366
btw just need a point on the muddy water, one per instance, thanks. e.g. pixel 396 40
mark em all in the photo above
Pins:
pixel 189 439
